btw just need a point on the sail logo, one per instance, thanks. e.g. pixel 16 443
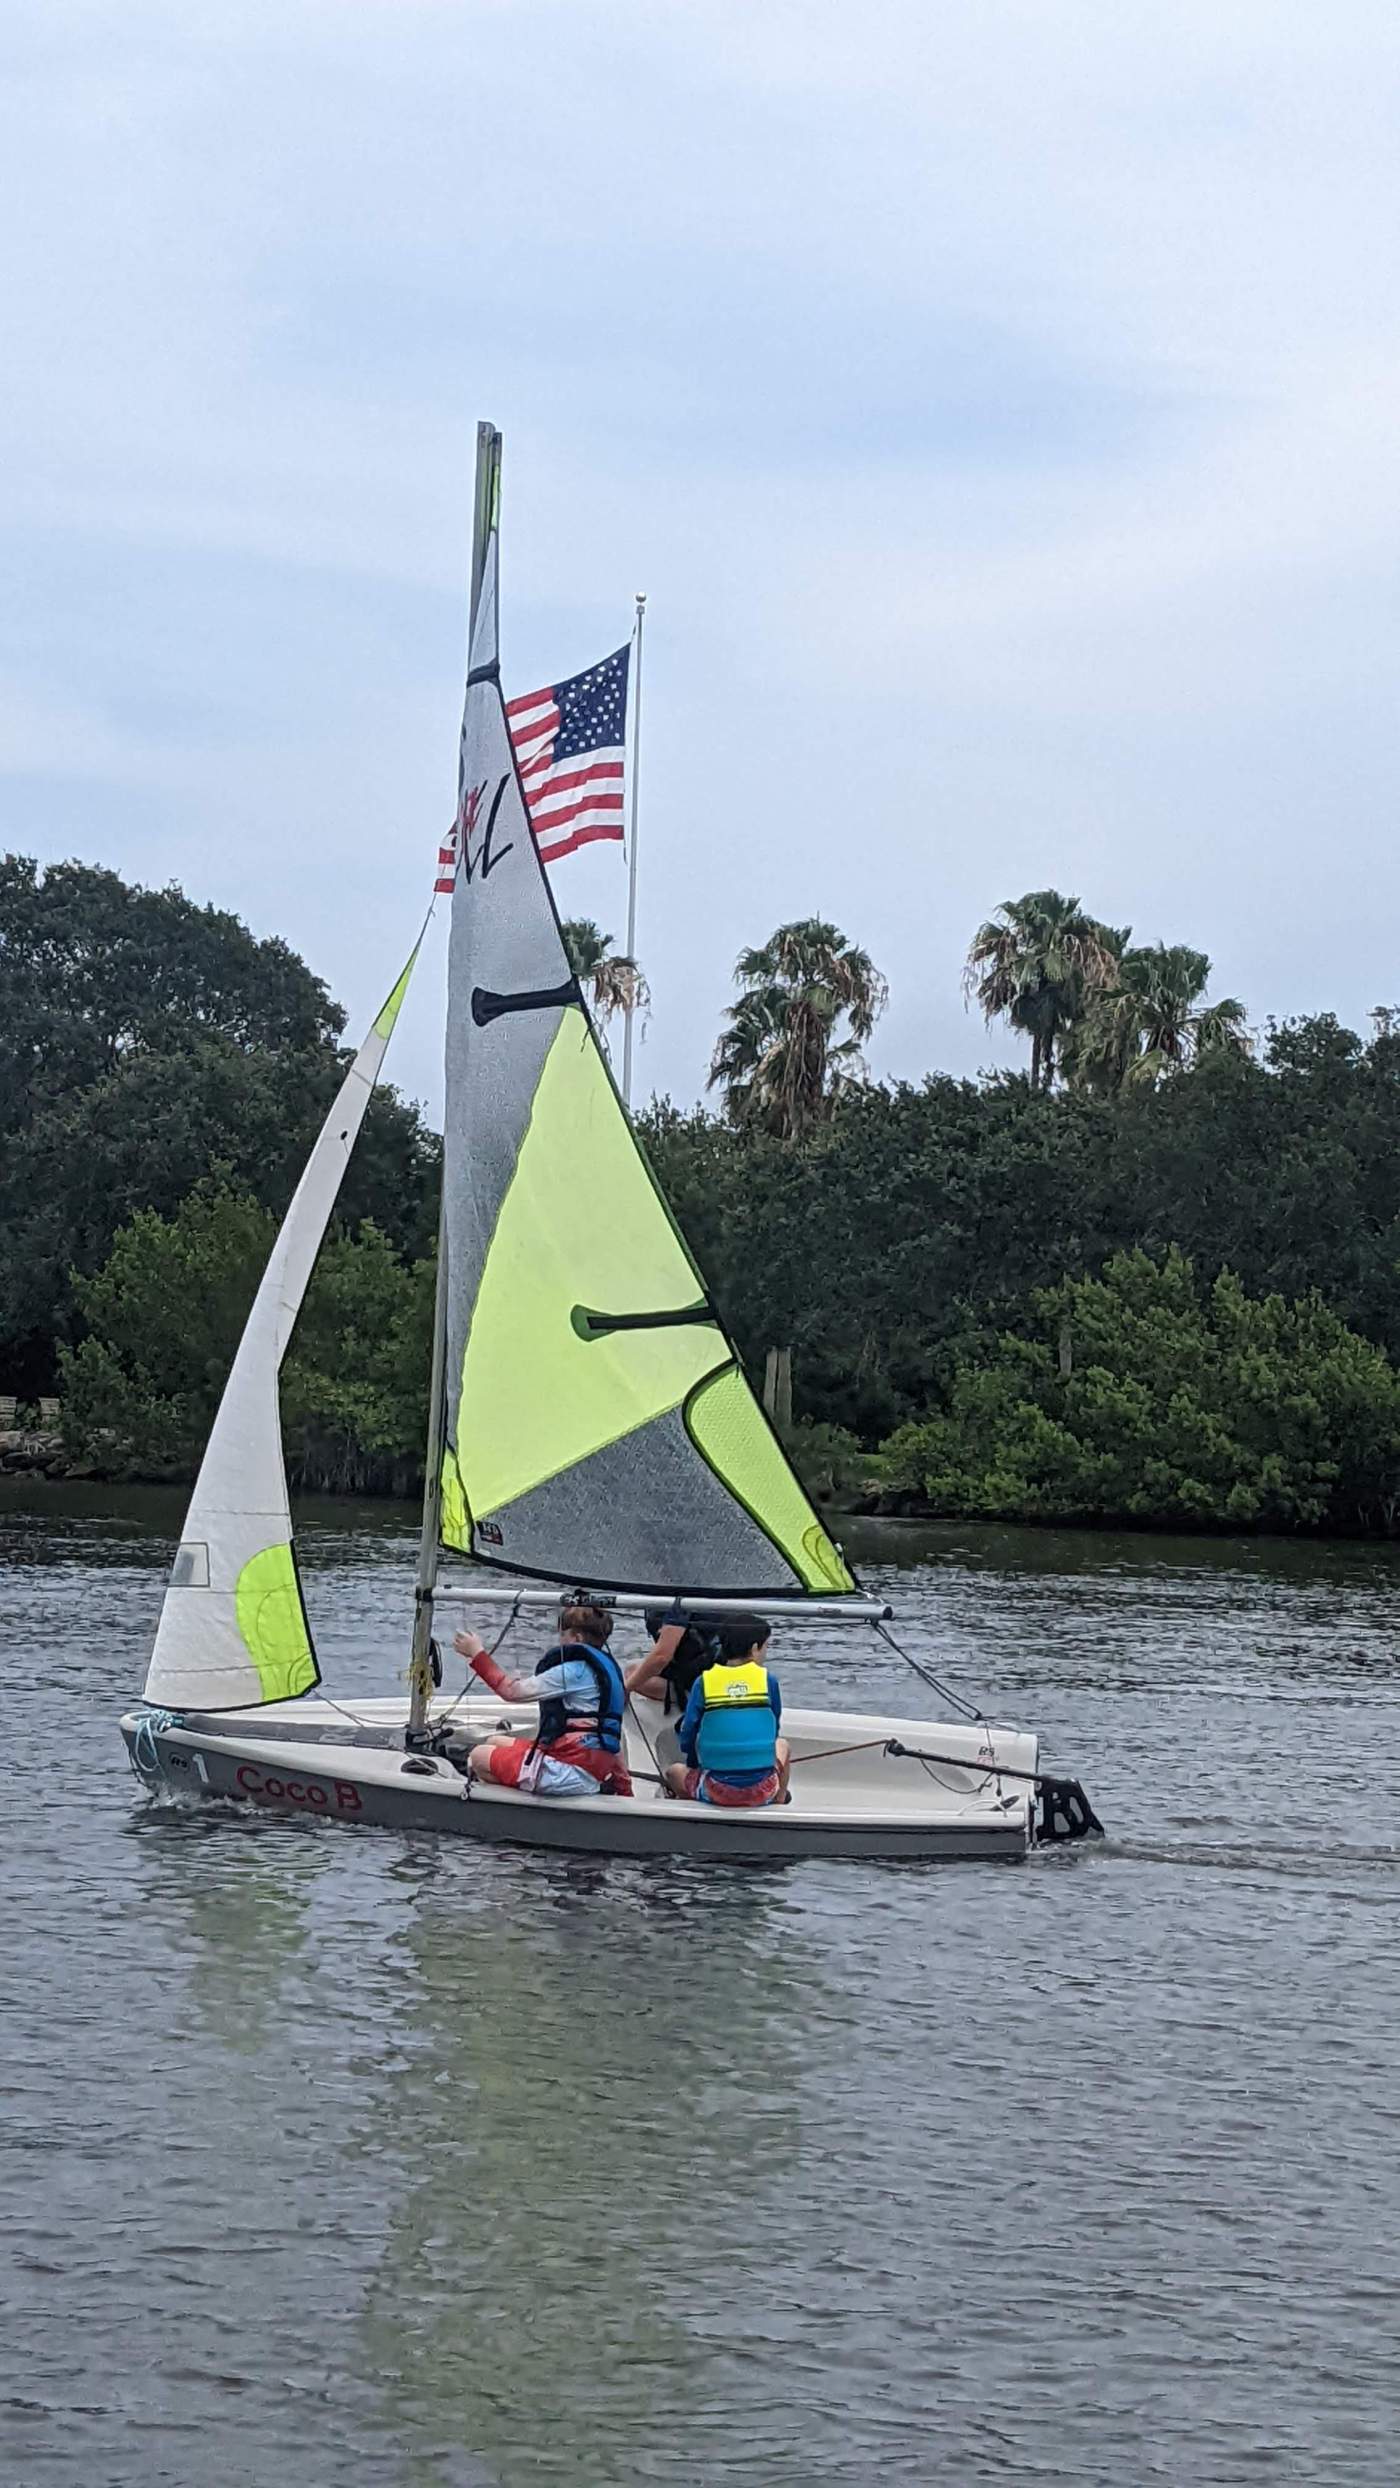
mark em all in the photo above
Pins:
pixel 342 1797
pixel 486 857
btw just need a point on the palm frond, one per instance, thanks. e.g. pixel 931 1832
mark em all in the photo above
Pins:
pixel 1037 964
pixel 782 1051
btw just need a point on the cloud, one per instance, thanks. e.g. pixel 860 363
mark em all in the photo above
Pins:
pixel 996 403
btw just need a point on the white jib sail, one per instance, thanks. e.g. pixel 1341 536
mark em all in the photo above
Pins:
pixel 233 1630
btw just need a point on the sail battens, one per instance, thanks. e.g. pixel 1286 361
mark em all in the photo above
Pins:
pixel 591 1325
pixel 488 1006
pixel 599 1426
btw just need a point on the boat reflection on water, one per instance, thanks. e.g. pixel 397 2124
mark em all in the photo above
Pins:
pixel 218 1884
pixel 555 2072
pixel 498 2118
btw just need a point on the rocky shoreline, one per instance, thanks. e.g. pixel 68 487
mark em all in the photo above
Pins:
pixel 31 1450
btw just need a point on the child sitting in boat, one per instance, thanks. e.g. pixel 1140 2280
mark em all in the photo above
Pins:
pixel 734 1755
pixel 577 1749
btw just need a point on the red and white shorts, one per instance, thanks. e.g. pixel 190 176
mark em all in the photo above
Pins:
pixel 716 1792
pixel 569 1768
pixel 520 1764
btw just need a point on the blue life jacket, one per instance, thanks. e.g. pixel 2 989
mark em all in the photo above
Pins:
pixel 738 1726
pixel 556 1718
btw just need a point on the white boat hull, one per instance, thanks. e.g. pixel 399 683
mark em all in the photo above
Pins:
pixel 850 1797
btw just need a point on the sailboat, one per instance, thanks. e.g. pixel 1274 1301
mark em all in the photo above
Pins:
pixel 591 1431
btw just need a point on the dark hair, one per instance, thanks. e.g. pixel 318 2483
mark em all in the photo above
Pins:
pixel 590 1624
pixel 720 1623
pixel 739 1634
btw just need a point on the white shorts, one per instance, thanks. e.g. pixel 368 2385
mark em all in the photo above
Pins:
pixel 546 1778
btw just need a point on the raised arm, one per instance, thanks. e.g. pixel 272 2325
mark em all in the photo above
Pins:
pixel 479 1660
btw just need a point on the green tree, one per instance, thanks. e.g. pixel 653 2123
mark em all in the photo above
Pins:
pixel 1036 963
pixel 1153 1019
pixel 920 1212
pixel 875 1239
pixel 1147 1396
pixel 93 969
pixel 164 1315
pixel 144 1041
pixel 355 1384
pixel 615 982
pixel 783 1060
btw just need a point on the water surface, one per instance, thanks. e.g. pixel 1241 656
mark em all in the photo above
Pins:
pixel 336 2154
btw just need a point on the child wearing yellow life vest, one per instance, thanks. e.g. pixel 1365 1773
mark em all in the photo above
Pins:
pixel 734 1755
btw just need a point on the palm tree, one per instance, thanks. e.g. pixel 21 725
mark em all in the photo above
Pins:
pixel 743 1052
pixel 1153 1020
pixel 615 982
pixel 1036 963
pixel 1099 1050
pixel 783 1060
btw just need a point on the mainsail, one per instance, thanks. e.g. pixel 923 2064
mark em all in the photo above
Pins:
pixel 599 1426
pixel 233 1629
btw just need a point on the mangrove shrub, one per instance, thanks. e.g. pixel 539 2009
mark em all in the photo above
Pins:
pixel 1150 1395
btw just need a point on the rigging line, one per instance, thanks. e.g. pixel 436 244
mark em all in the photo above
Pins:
pixel 659 1774
pixel 829 1753
pixel 646 1740
pixel 970 1710
pixel 443 1716
pixel 352 1716
pixel 948 1786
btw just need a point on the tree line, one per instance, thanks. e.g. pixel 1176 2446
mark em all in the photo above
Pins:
pixel 156 1056
pixel 1155 1276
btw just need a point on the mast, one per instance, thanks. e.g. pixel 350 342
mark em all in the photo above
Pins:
pixel 632 850
pixel 420 1682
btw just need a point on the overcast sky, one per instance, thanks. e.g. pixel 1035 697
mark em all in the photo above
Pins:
pixel 998 402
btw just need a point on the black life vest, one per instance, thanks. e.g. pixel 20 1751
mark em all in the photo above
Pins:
pixel 556 1718
pixel 692 1655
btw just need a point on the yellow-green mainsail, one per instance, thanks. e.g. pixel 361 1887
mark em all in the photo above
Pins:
pixel 599 1426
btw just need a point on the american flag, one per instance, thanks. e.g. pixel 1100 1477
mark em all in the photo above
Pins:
pixel 568 743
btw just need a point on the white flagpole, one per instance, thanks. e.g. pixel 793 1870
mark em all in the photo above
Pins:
pixel 632 841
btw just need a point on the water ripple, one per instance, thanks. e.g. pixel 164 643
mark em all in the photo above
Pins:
pixel 333 2153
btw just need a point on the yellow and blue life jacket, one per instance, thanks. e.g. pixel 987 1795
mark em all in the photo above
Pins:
pixel 738 1724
